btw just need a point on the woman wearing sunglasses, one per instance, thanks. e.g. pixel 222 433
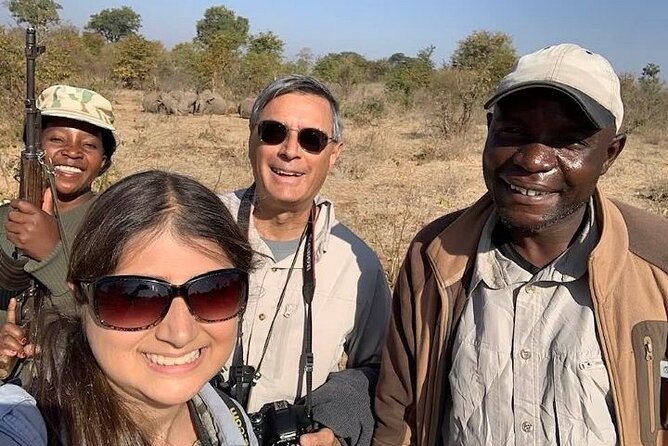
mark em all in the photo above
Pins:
pixel 159 276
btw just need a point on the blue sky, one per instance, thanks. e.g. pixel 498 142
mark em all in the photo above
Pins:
pixel 630 34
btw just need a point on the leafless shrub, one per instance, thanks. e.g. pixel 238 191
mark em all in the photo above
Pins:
pixel 645 102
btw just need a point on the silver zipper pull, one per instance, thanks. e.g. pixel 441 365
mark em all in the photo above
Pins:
pixel 649 353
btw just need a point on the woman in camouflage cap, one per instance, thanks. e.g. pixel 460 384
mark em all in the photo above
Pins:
pixel 78 141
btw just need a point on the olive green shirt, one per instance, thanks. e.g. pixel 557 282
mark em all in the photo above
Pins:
pixel 51 271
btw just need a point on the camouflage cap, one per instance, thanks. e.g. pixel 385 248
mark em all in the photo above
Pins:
pixel 77 103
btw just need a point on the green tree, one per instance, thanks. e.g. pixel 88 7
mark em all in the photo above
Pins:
pixel 135 58
pixel 185 56
pixel 12 86
pixel 645 99
pixel 219 60
pixel 219 19
pixel 38 13
pixel 303 62
pixel 93 42
pixel 176 69
pixel 407 75
pixel 63 60
pixel 489 55
pixel 266 43
pixel 115 23
pixel 12 92
pixel 396 60
pixel 649 80
pixel 650 72
pixel 347 68
pixel 261 63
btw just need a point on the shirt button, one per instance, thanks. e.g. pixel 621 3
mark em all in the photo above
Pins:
pixel 525 354
pixel 527 427
pixel 262 316
pixel 529 289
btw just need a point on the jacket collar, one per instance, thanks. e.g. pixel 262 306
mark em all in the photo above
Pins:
pixel 454 249
pixel 609 255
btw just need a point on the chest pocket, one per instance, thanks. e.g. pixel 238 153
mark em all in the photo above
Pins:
pixel 650 350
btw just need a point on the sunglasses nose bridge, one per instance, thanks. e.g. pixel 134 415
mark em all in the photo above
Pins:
pixel 179 291
pixel 183 292
pixel 178 327
pixel 176 291
pixel 290 145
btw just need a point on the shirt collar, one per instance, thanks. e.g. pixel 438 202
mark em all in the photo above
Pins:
pixel 497 271
pixel 323 225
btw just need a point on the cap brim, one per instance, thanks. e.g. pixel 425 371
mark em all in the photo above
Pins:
pixel 55 113
pixel 597 114
pixel 77 117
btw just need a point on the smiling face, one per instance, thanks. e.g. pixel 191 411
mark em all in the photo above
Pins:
pixel 543 158
pixel 168 364
pixel 287 177
pixel 76 151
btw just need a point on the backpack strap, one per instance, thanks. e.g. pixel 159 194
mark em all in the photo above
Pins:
pixel 239 419
pixel 200 430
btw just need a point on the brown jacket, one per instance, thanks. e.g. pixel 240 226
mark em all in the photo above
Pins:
pixel 628 279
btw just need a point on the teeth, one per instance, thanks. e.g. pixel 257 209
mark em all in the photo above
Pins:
pixel 68 169
pixel 164 360
pixel 528 192
pixel 286 173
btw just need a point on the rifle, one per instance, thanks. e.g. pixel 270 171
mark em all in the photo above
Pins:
pixel 31 179
pixel 31 176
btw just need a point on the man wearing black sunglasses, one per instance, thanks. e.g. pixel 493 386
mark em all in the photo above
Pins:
pixel 295 140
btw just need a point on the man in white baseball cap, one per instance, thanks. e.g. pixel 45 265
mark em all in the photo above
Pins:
pixel 539 315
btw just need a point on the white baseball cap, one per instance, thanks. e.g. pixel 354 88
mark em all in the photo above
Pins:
pixel 586 77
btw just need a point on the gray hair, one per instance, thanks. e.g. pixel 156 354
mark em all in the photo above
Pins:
pixel 297 83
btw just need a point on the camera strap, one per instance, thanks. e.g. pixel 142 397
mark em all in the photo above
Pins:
pixel 241 375
pixel 308 291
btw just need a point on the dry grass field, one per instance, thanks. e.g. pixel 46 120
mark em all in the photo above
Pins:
pixel 384 188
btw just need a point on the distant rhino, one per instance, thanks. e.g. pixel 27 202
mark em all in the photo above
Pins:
pixel 151 102
pixel 214 104
pixel 245 107
pixel 188 102
pixel 203 97
pixel 179 102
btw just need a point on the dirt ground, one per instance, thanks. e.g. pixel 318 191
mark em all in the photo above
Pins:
pixel 383 188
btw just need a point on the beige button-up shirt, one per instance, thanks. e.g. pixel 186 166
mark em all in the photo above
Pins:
pixel 527 365
pixel 351 308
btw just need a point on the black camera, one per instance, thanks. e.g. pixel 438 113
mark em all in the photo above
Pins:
pixel 281 424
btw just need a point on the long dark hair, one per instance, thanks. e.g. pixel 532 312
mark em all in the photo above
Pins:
pixel 76 400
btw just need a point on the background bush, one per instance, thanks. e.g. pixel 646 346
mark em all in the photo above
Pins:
pixel 111 53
